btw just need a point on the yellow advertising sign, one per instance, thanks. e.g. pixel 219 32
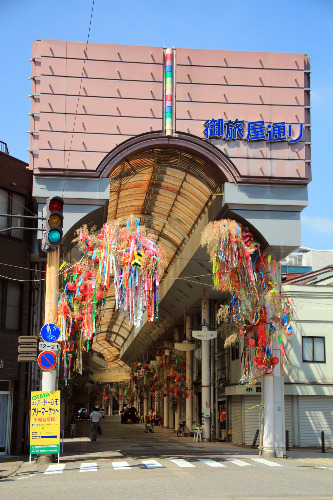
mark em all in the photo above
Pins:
pixel 45 422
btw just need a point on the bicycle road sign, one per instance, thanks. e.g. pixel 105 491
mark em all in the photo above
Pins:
pixel 50 332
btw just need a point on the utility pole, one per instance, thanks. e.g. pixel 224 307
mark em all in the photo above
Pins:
pixel 49 377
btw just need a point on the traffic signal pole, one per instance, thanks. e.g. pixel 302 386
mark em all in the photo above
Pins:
pixel 49 377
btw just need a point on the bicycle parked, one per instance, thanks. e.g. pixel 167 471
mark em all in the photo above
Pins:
pixel 182 428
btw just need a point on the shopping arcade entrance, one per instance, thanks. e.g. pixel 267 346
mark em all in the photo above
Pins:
pixel 175 194
pixel 174 186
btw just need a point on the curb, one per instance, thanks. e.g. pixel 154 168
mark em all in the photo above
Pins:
pixel 12 470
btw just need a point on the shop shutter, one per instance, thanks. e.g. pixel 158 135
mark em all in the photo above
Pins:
pixel 236 420
pixel 288 415
pixel 251 417
pixel 315 415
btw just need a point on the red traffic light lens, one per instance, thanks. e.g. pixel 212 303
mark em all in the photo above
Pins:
pixel 55 205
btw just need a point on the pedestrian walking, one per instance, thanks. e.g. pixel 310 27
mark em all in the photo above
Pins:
pixel 95 428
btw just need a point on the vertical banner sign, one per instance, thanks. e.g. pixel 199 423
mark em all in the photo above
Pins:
pixel 45 422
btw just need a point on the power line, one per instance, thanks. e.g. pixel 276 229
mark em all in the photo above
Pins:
pixel 78 98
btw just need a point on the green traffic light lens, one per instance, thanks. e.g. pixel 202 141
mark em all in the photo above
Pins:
pixel 54 236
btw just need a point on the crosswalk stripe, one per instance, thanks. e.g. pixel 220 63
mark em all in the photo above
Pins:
pixel 266 462
pixel 182 463
pixel 86 467
pixel 121 465
pixel 55 469
pixel 210 462
pixel 152 464
pixel 238 462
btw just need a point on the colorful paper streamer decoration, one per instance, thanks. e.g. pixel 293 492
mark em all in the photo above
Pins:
pixel 123 255
pixel 257 313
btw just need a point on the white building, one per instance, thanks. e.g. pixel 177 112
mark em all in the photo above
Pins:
pixel 309 381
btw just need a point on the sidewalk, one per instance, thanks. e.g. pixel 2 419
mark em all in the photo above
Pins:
pixel 9 464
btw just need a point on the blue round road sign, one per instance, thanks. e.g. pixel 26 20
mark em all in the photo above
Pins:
pixel 47 360
pixel 50 332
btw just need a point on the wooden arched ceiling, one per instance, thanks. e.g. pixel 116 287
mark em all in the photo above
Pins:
pixel 167 190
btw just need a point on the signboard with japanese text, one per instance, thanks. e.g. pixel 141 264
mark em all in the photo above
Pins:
pixel 45 422
pixel 256 131
pixel 204 334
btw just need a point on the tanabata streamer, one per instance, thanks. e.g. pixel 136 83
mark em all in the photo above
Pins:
pixel 123 255
pixel 256 308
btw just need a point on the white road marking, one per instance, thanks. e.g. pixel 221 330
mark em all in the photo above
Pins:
pixel 210 462
pixel 181 462
pixel 152 464
pixel 87 467
pixel 55 469
pixel 238 462
pixel 266 462
pixel 121 465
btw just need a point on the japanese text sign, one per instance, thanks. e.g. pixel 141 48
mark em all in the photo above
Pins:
pixel 256 131
pixel 45 422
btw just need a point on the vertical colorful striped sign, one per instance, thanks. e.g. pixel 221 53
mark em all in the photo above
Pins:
pixel 168 91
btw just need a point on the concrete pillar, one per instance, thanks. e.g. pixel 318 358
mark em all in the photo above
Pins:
pixel 177 409
pixel 166 412
pixel 205 375
pixel 274 444
pixel 177 412
pixel 189 374
pixel 49 380
pixel 145 404
pixel 268 431
pixel 171 417
pixel 274 440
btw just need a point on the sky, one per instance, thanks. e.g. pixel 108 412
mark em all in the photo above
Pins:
pixel 301 26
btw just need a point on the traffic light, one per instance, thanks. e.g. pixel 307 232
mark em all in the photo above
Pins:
pixel 53 214
pixel 27 348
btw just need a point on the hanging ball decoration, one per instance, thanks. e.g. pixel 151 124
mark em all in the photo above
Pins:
pixel 71 286
pixel 79 317
pixel 275 360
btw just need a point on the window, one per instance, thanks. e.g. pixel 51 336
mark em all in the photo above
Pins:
pixel 313 349
pixel 235 351
pixel 10 298
pixel 11 203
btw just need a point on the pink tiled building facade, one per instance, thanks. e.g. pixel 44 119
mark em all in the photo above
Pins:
pixel 85 101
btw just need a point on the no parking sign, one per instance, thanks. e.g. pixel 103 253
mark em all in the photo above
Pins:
pixel 47 360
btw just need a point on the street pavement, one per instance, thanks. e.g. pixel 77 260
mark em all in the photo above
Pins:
pixel 161 466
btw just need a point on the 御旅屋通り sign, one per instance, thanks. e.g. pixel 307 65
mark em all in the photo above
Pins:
pixel 252 131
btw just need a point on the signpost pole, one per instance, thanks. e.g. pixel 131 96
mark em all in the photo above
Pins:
pixel 49 377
